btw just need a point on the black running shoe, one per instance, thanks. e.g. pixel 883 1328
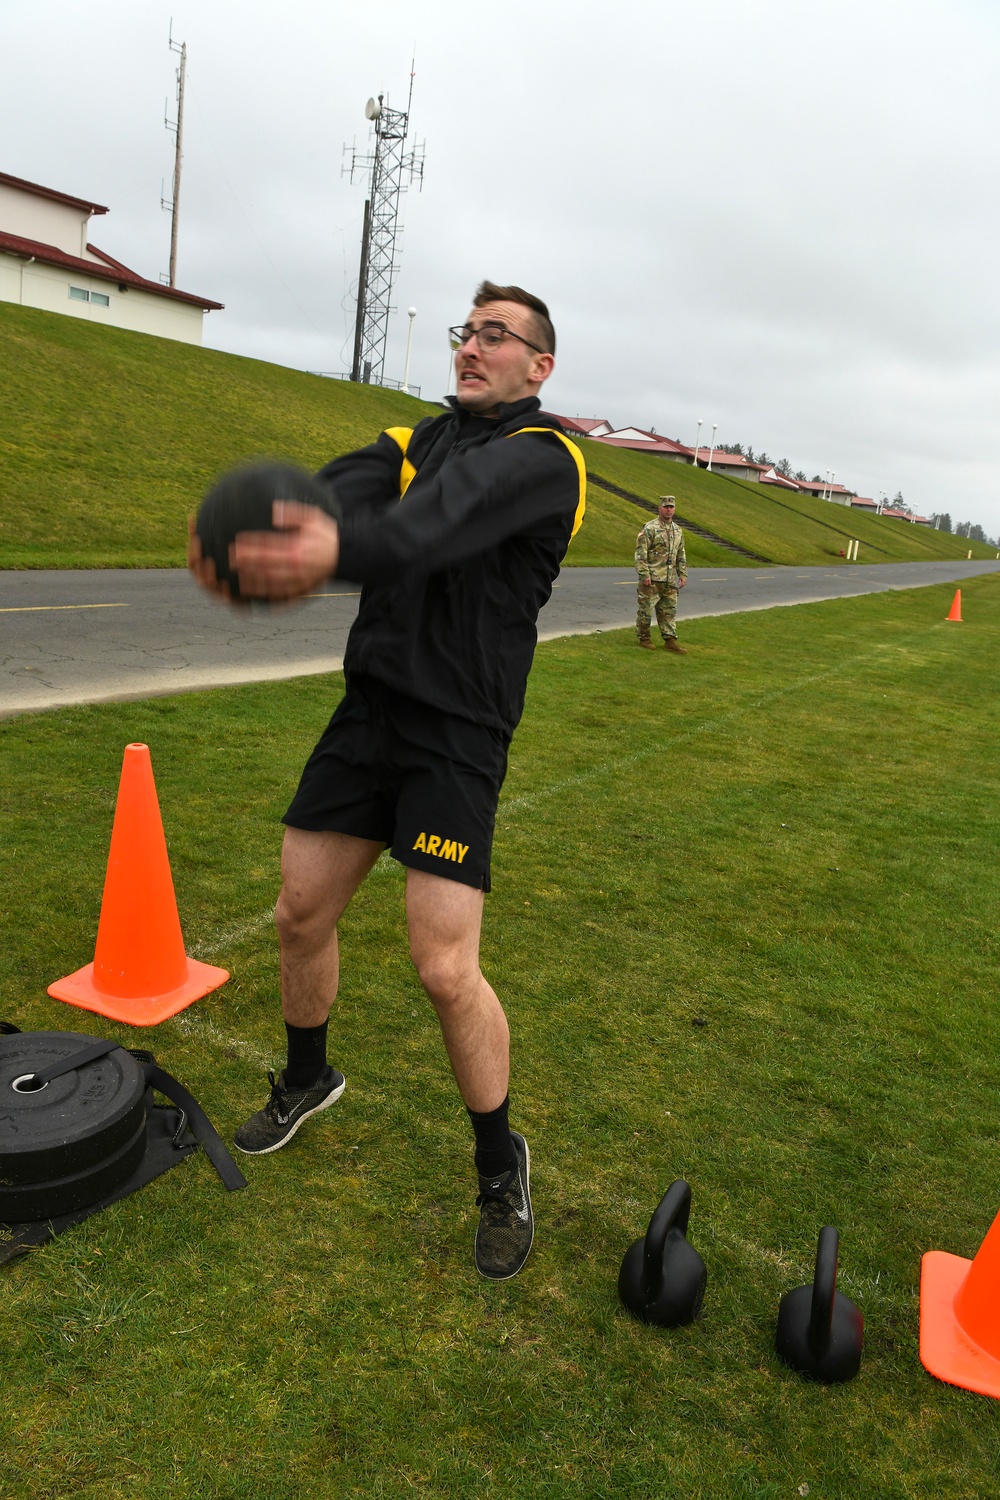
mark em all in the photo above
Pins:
pixel 506 1225
pixel 275 1124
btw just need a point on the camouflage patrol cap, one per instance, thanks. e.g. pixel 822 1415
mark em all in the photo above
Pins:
pixel 667 500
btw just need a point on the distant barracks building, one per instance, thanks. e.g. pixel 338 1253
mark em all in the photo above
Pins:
pixel 47 261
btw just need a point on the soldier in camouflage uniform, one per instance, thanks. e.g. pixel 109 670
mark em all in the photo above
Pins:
pixel 662 568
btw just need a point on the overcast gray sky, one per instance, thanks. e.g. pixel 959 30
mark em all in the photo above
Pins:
pixel 777 216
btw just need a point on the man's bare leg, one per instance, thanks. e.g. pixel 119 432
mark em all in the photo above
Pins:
pixel 319 874
pixel 445 919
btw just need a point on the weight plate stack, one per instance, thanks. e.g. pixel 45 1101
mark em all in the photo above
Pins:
pixel 69 1143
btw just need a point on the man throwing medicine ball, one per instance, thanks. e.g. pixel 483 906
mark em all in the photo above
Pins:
pixel 662 568
pixel 456 530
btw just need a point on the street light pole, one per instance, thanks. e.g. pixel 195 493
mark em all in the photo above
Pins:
pixel 697 440
pixel 411 313
pixel 711 451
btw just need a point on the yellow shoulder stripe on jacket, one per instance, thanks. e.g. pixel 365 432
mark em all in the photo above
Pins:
pixel 581 469
pixel 407 473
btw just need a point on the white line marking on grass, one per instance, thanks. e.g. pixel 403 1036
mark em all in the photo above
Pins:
pixel 198 1027
pixel 224 940
pixel 518 804
pixel 386 865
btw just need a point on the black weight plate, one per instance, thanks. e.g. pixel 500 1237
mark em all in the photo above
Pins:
pixel 75 1122
pixel 64 1195
pixel 243 500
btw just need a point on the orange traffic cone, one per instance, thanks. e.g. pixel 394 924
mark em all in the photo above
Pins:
pixel 960 1316
pixel 955 613
pixel 140 974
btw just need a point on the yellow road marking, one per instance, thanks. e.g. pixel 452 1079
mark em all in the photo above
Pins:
pixel 30 609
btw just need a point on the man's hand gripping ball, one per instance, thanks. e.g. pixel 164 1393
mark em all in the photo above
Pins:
pixel 266 531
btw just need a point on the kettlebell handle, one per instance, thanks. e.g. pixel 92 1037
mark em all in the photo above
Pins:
pixel 672 1212
pixel 824 1288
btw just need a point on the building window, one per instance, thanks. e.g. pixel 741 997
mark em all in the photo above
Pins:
pixel 101 299
pixel 79 294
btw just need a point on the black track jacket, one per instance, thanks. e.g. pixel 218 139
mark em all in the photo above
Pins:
pixel 456 531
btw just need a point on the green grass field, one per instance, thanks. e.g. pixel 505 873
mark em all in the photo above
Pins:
pixel 789 836
pixel 109 439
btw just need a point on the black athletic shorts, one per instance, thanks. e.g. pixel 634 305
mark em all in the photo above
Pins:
pixel 424 782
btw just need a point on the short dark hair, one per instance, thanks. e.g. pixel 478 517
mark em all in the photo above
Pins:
pixel 488 291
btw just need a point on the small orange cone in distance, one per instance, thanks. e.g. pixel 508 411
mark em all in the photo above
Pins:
pixel 960 1316
pixel 140 973
pixel 955 613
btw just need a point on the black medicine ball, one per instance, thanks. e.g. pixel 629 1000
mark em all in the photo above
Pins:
pixel 243 500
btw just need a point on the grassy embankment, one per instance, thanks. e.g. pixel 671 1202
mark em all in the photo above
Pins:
pixel 778 524
pixel 787 837
pixel 109 438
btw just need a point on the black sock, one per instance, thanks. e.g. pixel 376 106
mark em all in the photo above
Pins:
pixel 306 1055
pixel 494 1147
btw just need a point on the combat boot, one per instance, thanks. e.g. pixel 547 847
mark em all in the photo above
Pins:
pixel 672 644
pixel 646 644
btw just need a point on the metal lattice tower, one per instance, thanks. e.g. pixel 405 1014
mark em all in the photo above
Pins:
pixel 392 170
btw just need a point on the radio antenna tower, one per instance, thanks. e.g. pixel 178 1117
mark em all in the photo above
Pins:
pixel 176 128
pixel 389 163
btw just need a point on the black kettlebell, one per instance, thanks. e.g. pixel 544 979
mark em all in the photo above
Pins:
pixel 243 500
pixel 820 1331
pixel 662 1279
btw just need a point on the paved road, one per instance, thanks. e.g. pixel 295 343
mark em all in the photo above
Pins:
pixel 87 637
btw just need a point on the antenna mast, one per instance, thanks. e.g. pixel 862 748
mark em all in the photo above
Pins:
pixel 389 162
pixel 176 127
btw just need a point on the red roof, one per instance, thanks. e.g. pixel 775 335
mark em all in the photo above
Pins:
pixel 736 460
pixel 863 500
pixel 44 192
pixel 773 476
pixel 105 268
pixel 818 486
pixel 653 444
pixel 582 425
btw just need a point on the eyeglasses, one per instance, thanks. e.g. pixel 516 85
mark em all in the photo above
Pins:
pixel 489 336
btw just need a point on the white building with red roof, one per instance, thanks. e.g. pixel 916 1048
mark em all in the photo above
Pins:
pixel 641 441
pixel 824 490
pixel 895 514
pixel 775 476
pixel 47 261
pixel 582 426
pixel 733 465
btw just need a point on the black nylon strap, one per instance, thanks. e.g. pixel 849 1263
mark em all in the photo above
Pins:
pixel 201 1126
pixel 78 1060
